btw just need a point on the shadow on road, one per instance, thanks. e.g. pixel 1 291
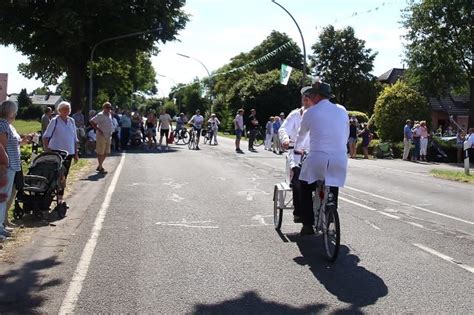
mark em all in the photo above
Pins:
pixel 20 289
pixel 251 303
pixel 345 279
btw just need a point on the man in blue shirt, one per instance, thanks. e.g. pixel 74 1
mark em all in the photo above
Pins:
pixel 407 139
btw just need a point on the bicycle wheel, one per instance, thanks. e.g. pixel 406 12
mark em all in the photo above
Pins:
pixel 277 212
pixel 184 137
pixel 331 234
pixel 259 139
pixel 191 142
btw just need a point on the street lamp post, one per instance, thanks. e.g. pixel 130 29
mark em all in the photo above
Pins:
pixel 208 74
pixel 105 41
pixel 303 79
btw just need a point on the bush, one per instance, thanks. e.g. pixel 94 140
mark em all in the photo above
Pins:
pixel 361 117
pixel 32 112
pixel 394 106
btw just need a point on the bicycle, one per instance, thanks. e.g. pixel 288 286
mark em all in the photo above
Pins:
pixel 259 137
pixel 326 217
pixel 192 144
pixel 181 136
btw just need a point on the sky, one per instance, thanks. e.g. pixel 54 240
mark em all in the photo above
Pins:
pixel 219 30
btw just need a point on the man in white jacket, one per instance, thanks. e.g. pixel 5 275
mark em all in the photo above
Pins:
pixel 328 127
pixel 287 134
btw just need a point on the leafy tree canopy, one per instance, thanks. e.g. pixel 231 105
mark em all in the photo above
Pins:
pixel 58 36
pixel 342 60
pixel 24 101
pixel 440 46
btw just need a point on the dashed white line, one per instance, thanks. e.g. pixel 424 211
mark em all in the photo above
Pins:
pixel 416 224
pixel 357 204
pixel 444 257
pixel 389 215
pixel 372 225
pixel 70 300
pixel 413 206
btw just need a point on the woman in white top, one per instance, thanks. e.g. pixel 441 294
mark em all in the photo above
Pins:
pixel 61 136
pixel 213 128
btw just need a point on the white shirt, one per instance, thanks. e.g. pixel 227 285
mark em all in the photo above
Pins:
pixel 214 123
pixel 470 140
pixel 165 121
pixel 197 121
pixel 328 128
pixel 239 122
pixel 62 135
pixel 289 131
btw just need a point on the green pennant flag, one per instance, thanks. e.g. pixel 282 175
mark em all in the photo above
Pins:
pixel 285 73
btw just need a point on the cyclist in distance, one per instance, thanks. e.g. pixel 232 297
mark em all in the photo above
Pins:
pixel 287 134
pixel 327 124
pixel 196 121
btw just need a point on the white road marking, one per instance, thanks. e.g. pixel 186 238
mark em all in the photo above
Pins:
pixel 260 219
pixel 413 206
pixel 70 300
pixel 372 225
pixel 416 224
pixel 357 204
pixel 175 197
pixel 190 224
pixel 445 257
pixel 396 170
pixel 389 215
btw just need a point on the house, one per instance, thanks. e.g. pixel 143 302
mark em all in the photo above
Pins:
pixel 41 100
pixel 443 109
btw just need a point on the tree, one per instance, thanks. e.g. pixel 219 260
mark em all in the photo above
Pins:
pixel 58 36
pixel 24 101
pixel 440 47
pixel 394 106
pixel 342 60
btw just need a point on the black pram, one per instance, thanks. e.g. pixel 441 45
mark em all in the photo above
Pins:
pixel 41 185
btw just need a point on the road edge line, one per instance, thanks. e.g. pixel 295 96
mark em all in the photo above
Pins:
pixel 75 286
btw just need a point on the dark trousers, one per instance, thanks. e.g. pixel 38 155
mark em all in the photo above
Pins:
pixel 252 135
pixel 307 214
pixel 416 142
pixel 124 137
pixel 296 188
pixel 67 164
pixel 115 141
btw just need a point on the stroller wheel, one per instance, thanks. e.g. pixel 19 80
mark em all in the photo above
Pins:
pixel 18 211
pixel 62 210
pixel 38 214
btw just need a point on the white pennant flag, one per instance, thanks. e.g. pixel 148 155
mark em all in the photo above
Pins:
pixel 285 73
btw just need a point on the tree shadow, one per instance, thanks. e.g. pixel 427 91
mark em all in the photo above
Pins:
pixel 251 303
pixel 345 279
pixel 20 289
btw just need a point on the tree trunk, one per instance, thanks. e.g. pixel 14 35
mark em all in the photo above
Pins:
pixel 77 75
pixel 471 103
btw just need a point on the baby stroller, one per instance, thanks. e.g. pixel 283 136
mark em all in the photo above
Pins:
pixel 383 151
pixel 41 185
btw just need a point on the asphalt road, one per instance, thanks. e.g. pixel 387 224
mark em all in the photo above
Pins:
pixel 191 232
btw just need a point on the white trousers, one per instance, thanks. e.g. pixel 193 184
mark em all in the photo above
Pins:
pixel 268 141
pixel 423 146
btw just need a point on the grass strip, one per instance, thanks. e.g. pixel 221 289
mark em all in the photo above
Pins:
pixel 458 176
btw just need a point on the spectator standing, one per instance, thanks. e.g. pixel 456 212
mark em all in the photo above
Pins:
pixel 352 138
pixel 252 125
pixel 10 140
pixel 46 118
pixel 276 139
pixel 416 140
pixel 423 140
pixel 282 118
pixel 79 120
pixel 214 127
pixel 102 123
pixel 164 126
pixel 125 127
pixel 407 139
pixel 115 133
pixel 460 137
pixel 366 136
pixel 269 133
pixel 239 129
pixel 151 124
pixel 61 135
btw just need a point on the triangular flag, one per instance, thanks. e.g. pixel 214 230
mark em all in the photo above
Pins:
pixel 285 74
